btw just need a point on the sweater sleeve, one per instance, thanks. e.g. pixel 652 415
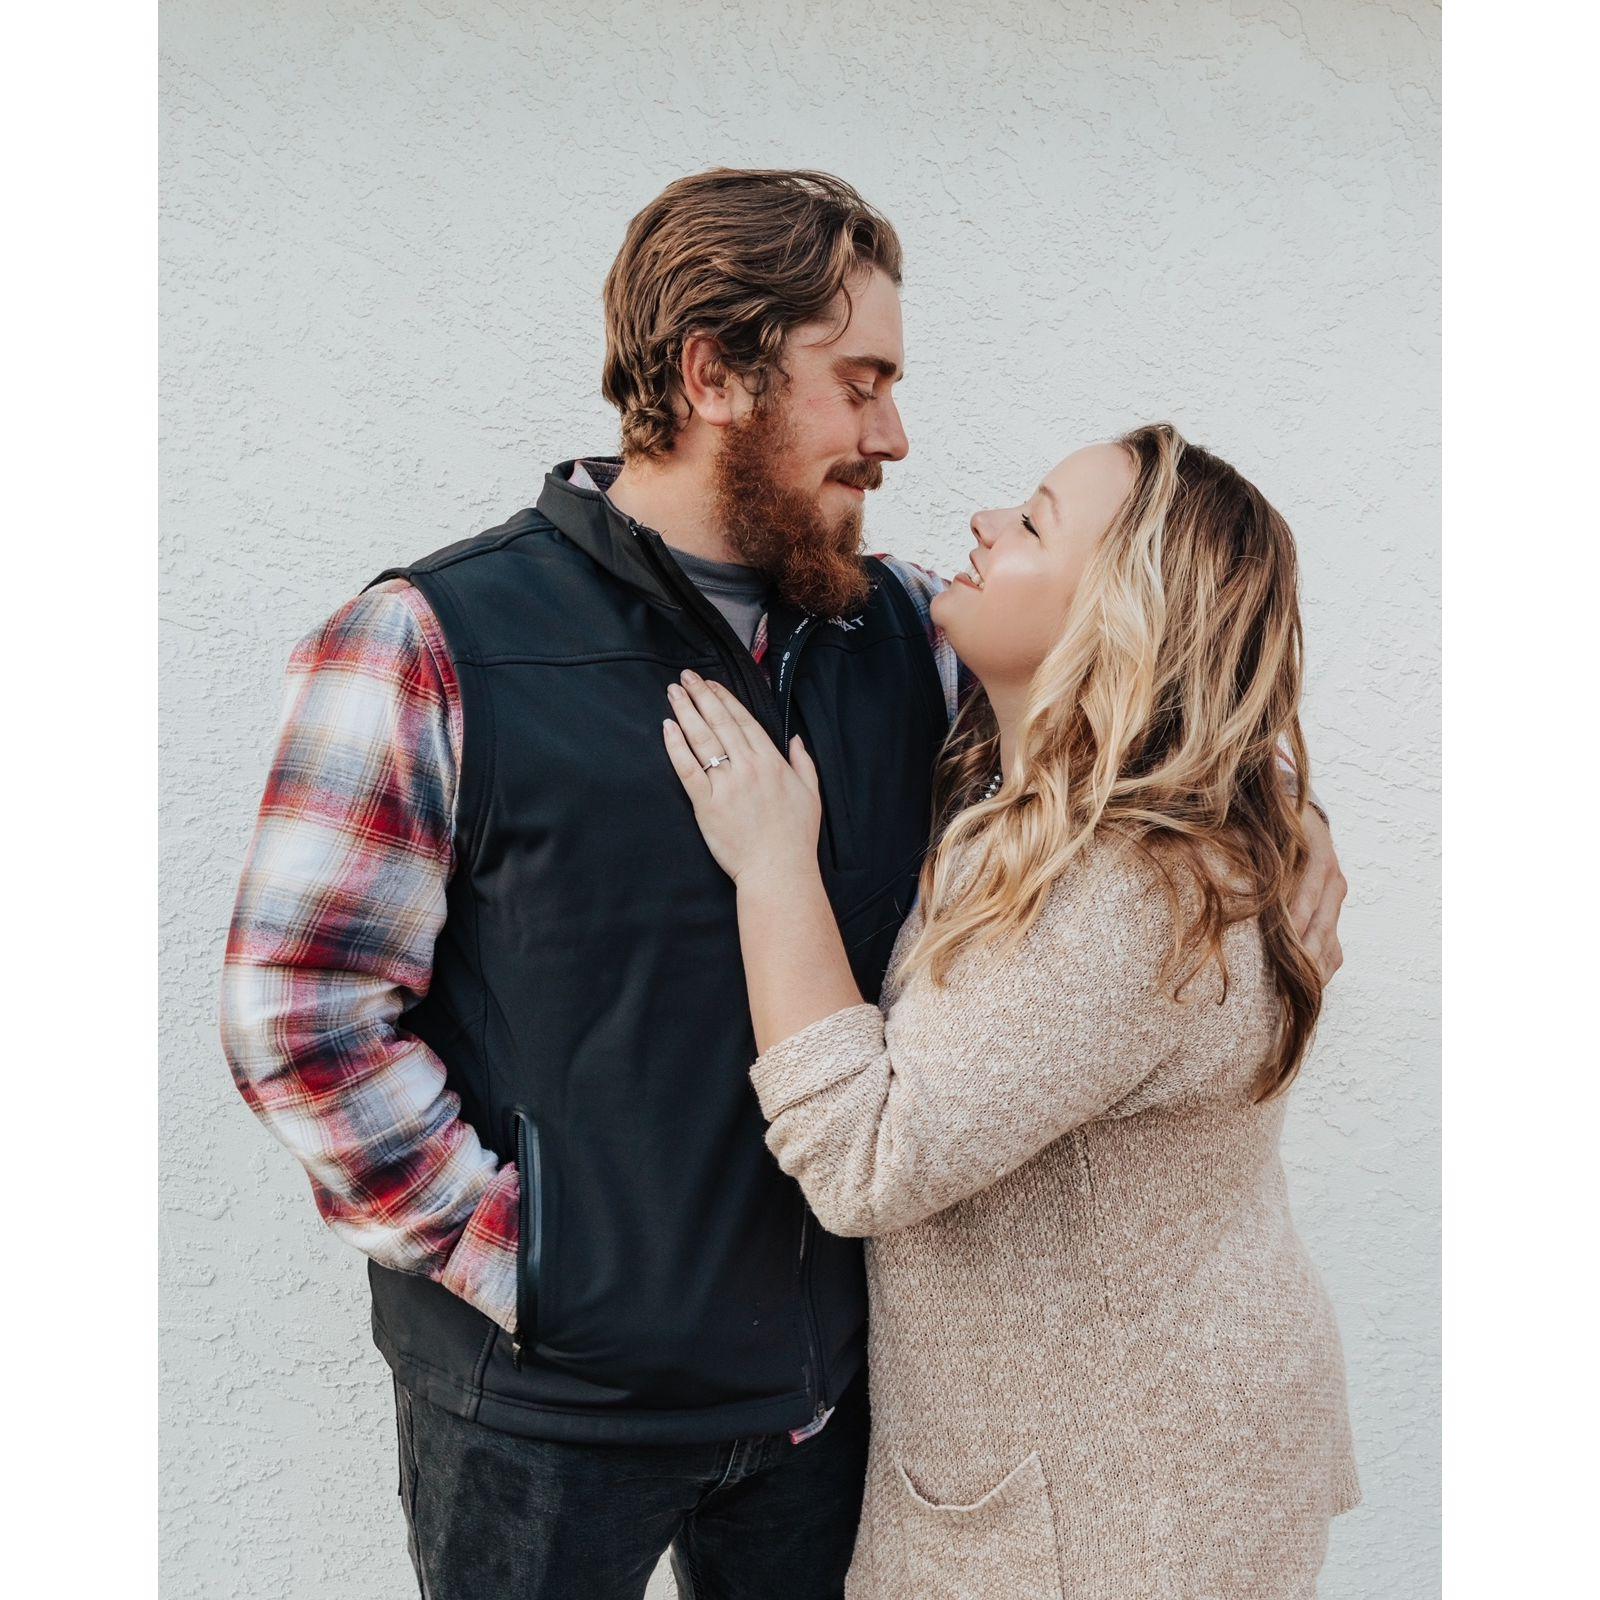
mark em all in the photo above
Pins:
pixel 885 1121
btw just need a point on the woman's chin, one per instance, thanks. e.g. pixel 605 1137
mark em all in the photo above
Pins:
pixel 948 599
pixel 949 615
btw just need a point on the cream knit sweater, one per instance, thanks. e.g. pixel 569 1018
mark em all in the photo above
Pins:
pixel 1102 1367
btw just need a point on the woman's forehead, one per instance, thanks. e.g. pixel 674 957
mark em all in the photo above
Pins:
pixel 1092 475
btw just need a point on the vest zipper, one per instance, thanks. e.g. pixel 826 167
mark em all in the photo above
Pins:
pixel 783 688
pixel 770 703
pixel 818 1375
pixel 530 1234
pixel 749 682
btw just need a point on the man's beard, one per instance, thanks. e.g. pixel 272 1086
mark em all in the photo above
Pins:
pixel 814 563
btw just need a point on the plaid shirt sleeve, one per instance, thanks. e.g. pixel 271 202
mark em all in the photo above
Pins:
pixel 341 899
pixel 922 586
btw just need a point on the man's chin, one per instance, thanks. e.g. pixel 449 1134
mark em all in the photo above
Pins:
pixel 808 543
pixel 829 580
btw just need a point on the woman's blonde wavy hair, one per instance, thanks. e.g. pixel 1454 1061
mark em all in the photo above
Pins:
pixel 1159 716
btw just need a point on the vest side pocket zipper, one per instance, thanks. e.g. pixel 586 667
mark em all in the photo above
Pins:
pixel 816 1378
pixel 530 1234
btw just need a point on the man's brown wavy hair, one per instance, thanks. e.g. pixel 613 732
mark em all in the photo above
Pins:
pixel 740 256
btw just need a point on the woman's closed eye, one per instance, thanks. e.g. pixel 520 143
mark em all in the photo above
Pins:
pixel 1027 522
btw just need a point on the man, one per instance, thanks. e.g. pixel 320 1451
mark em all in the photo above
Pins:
pixel 483 976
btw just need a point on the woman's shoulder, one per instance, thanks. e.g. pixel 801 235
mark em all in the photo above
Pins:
pixel 1147 869
pixel 1115 916
pixel 1118 880
pixel 1126 919
pixel 1132 899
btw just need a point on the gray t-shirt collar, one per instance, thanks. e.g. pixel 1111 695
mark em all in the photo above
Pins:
pixel 737 591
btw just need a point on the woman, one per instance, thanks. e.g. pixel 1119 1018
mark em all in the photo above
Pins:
pixel 1100 1362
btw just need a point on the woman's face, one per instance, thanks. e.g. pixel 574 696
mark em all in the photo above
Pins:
pixel 1006 614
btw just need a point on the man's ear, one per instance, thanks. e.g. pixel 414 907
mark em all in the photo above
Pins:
pixel 714 394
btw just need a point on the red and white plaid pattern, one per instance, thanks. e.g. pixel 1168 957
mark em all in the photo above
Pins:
pixel 342 897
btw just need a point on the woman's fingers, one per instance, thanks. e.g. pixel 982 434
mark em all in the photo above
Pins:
pixel 1320 880
pixel 1321 936
pixel 715 723
pixel 805 768
pixel 695 781
pixel 1309 900
pixel 726 718
pixel 702 741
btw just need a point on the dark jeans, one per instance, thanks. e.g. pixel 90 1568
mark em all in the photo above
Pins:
pixel 491 1516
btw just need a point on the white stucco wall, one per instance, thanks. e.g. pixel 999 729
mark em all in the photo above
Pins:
pixel 385 231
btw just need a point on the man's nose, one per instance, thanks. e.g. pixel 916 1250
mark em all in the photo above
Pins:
pixel 886 438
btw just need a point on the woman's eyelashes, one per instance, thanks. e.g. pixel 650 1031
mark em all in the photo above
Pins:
pixel 1027 522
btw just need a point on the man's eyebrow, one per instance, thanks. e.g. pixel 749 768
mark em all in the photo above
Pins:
pixel 882 365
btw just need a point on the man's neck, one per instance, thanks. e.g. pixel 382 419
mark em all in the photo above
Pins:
pixel 678 501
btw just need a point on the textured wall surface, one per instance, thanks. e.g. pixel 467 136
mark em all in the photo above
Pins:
pixel 385 231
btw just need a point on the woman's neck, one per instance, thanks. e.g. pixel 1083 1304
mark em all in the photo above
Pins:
pixel 1007 707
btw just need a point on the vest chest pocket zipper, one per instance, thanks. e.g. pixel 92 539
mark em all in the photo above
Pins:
pixel 530 1233
pixel 1003 1543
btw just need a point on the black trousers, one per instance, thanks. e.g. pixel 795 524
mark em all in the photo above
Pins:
pixel 491 1516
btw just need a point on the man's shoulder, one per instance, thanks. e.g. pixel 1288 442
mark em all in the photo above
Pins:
pixel 918 581
pixel 923 586
pixel 920 585
pixel 525 525
pixel 387 630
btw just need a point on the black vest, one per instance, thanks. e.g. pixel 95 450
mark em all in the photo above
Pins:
pixel 588 996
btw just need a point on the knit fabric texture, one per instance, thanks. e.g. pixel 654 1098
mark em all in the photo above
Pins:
pixel 1101 1362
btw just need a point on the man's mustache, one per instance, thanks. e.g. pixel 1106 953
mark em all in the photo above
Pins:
pixel 861 475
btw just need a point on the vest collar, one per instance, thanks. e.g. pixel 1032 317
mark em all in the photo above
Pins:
pixel 588 518
pixel 616 542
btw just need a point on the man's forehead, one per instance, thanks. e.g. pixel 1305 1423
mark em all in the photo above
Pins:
pixel 853 351
pixel 869 339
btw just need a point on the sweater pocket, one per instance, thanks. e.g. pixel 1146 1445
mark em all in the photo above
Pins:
pixel 1001 1544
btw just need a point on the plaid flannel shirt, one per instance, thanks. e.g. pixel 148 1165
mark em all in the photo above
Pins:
pixel 340 902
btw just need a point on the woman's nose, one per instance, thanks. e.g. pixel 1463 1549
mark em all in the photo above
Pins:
pixel 977 528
